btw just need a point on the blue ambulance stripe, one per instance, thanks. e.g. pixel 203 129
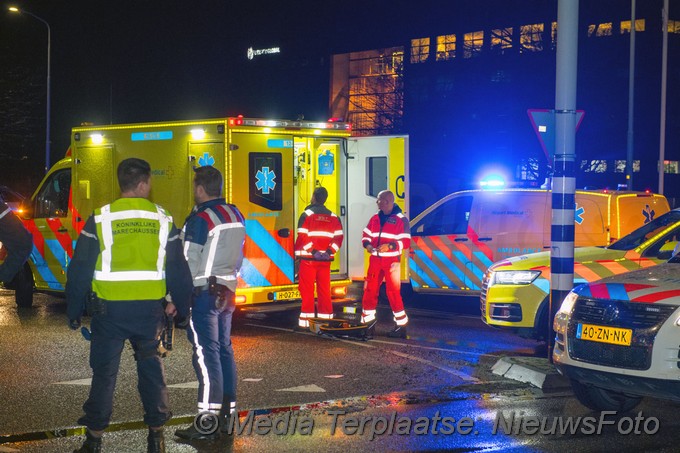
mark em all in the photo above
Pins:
pixel 447 263
pixel 460 256
pixel 617 291
pixel 58 251
pixel 279 256
pixel 422 275
pixel 251 275
pixel 484 259
pixel 45 273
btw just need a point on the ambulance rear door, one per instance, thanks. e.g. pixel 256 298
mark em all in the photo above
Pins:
pixel 374 164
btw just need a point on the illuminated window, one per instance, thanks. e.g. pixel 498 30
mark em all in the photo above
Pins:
pixel 671 166
pixel 420 50
pixel 594 166
pixel 531 37
pixel 553 35
pixel 639 26
pixel 446 47
pixel 473 43
pixel 501 39
pixel 528 170
pixel 375 104
pixel 598 30
pixel 674 26
pixel 620 166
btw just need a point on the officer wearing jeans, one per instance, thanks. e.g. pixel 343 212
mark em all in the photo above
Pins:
pixel 213 237
pixel 129 253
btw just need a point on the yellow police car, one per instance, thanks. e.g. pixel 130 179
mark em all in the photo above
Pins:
pixel 515 291
pixel 617 338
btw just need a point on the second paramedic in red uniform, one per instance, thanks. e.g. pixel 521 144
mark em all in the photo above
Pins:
pixel 385 237
pixel 319 238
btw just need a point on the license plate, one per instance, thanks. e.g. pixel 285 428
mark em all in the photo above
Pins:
pixel 603 334
pixel 287 295
pixel 352 310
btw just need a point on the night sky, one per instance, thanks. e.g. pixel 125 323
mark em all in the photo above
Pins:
pixel 149 60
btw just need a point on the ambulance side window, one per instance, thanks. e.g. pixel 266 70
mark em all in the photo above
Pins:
pixel 451 217
pixel 377 175
pixel 52 200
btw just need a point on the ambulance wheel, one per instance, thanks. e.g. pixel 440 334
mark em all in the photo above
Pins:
pixel 542 330
pixel 600 399
pixel 23 288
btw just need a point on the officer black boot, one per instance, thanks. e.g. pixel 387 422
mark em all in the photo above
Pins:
pixel 92 444
pixel 210 428
pixel 397 332
pixel 226 419
pixel 155 442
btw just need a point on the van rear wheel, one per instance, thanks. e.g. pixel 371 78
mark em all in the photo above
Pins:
pixel 23 288
pixel 599 399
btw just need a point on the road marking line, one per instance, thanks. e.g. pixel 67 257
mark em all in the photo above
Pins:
pixel 87 381
pixel 431 348
pixel 185 385
pixel 463 376
pixel 252 379
pixel 303 388
pixel 335 376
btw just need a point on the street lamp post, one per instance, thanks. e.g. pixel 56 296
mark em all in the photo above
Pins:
pixel 49 97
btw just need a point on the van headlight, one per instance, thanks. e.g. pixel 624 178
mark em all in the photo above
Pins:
pixel 568 303
pixel 514 277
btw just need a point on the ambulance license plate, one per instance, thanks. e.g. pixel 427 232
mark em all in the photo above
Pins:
pixel 604 334
pixel 287 295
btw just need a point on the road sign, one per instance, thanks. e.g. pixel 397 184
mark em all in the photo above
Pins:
pixel 543 121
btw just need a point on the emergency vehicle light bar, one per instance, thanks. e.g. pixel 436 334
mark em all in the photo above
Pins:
pixel 239 121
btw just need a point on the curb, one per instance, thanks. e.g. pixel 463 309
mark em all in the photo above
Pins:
pixel 536 371
pixel 391 399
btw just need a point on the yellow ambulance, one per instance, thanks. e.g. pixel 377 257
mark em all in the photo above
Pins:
pixel 270 169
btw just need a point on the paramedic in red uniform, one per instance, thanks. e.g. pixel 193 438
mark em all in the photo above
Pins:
pixel 385 237
pixel 319 238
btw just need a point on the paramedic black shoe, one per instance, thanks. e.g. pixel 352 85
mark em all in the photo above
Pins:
pixel 91 445
pixel 191 433
pixel 370 330
pixel 155 442
pixel 397 332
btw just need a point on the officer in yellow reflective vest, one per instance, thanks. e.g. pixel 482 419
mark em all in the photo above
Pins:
pixel 130 255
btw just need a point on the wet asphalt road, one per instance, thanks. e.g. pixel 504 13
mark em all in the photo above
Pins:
pixel 443 366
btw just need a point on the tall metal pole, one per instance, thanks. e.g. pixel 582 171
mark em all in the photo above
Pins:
pixel 49 79
pixel 664 70
pixel 564 181
pixel 631 98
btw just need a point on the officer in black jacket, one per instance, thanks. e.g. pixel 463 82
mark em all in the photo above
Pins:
pixel 16 240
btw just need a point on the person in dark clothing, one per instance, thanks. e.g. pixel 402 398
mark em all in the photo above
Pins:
pixel 16 243
pixel 213 237
pixel 127 259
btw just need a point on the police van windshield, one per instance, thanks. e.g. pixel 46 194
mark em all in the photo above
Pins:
pixel 647 231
